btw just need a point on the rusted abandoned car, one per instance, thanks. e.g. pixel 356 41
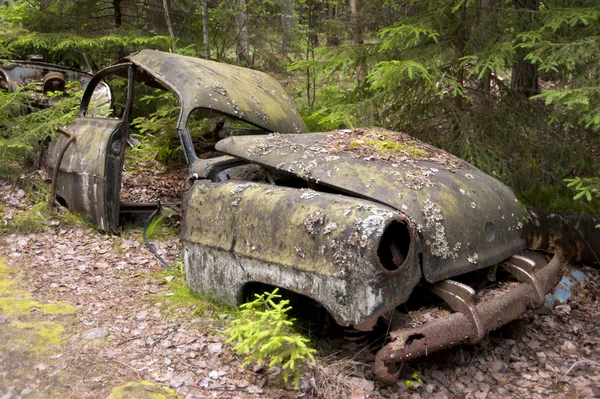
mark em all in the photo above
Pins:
pixel 357 220
pixel 52 78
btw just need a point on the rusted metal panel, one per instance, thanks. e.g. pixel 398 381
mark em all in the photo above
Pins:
pixel 324 246
pixel 242 93
pixel 23 72
pixel 460 327
pixel 467 220
pixel 88 179
pixel 575 235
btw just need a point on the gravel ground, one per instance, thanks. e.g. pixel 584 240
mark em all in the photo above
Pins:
pixel 125 329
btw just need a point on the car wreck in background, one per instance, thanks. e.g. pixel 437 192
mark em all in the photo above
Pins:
pixel 54 78
pixel 361 221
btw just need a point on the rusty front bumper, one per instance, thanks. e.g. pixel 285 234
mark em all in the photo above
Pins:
pixel 471 320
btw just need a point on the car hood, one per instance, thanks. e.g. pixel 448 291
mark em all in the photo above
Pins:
pixel 466 219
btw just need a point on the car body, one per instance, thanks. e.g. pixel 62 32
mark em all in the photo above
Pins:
pixel 354 219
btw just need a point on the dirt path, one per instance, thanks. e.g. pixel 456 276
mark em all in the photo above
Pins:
pixel 87 313
pixel 82 313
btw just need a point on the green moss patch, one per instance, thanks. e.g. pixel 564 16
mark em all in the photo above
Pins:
pixel 35 336
pixel 142 390
pixel 179 298
pixel 18 302
pixel 387 146
pixel 26 333
pixel 58 308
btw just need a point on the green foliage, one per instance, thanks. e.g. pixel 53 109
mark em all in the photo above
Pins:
pixel 156 131
pixel 567 44
pixel 33 220
pixel 442 72
pixel 588 188
pixel 264 333
pixel 415 377
pixel 163 226
pixel 28 115
pixel 180 299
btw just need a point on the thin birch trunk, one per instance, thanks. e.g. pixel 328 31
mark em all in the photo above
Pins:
pixel 205 29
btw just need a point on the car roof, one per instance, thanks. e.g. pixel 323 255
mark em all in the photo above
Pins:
pixel 242 93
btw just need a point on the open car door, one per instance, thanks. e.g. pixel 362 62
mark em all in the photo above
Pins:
pixel 86 158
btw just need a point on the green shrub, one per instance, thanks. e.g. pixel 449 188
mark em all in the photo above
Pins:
pixel 264 333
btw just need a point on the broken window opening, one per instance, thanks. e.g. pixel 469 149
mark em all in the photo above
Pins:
pixel 154 168
pixel 206 127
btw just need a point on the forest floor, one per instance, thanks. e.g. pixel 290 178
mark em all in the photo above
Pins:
pixel 87 315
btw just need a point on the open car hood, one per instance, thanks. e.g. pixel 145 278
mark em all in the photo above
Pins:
pixel 466 219
pixel 242 93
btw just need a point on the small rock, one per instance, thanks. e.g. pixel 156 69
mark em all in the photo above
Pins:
pixel 541 356
pixel 363 383
pixel 568 346
pixel 481 395
pixel 203 383
pixel 214 374
pixel 357 394
pixel 95 333
pixel 254 389
pixel 495 366
pixel 215 347
pixel 185 378
pixel 478 376
pixel 141 315
pixel 169 278
pixel 441 377
pixel 483 387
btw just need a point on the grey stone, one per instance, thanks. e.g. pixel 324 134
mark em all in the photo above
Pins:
pixel 95 333
pixel 478 376
pixel 179 380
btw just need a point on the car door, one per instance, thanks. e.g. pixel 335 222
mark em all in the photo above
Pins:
pixel 86 157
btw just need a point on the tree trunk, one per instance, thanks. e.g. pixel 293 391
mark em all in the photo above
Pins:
pixel 462 34
pixel 288 23
pixel 313 35
pixel 116 13
pixel 205 29
pixel 524 73
pixel 488 26
pixel 357 23
pixel 243 47
pixel 169 26
pixel 332 14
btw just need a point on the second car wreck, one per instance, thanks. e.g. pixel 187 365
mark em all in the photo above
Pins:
pixel 356 220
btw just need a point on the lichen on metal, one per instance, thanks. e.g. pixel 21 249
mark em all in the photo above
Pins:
pixel 252 96
pixel 452 190
pixel 325 247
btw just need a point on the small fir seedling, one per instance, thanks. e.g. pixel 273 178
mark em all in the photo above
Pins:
pixel 414 378
pixel 264 333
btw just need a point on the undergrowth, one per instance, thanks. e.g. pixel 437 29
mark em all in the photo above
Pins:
pixel 164 225
pixel 181 299
pixel 264 333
